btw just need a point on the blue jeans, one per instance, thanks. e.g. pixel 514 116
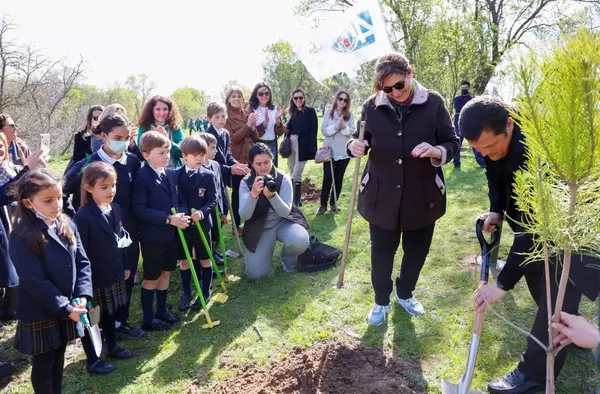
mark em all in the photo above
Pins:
pixel 478 156
pixel 273 148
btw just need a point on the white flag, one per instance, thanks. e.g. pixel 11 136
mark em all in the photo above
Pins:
pixel 345 42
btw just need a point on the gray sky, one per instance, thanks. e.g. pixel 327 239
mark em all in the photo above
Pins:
pixel 201 43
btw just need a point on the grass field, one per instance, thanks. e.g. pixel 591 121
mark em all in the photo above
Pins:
pixel 300 309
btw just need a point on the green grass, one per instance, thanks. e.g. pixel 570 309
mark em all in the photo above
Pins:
pixel 299 310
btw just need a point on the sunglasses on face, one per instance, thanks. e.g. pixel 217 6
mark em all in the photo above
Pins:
pixel 298 98
pixel 398 86
pixel 95 117
pixel 262 94
pixel 340 99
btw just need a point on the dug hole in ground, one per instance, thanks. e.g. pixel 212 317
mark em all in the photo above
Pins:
pixel 328 368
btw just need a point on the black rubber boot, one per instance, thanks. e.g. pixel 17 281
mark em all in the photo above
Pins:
pixel 298 194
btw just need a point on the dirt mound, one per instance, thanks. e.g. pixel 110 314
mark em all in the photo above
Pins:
pixel 310 191
pixel 331 368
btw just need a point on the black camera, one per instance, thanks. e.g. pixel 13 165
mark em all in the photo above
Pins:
pixel 270 183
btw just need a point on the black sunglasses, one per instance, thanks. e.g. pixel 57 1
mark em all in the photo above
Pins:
pixel 343 99
pixel 298 98
pixel 398 86
pixel 261 94
pixel 95 117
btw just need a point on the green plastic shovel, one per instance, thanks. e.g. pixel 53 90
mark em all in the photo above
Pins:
pixel 228 278
pixel 209 321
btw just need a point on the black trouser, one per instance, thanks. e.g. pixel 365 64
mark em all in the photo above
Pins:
pixel 8 300
pixel 339 169
pixel 533 360
pixel 133 256
pixel 235 198
pixel 107 323
pixel 384 243
pixel 47 371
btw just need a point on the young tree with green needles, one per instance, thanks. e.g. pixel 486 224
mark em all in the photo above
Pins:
pixel 559 113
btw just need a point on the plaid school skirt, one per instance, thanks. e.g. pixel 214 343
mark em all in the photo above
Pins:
pixel 37 337
pixel 110 298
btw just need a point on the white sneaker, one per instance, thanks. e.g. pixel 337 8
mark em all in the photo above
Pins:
pixel 378 314
pixel 411 305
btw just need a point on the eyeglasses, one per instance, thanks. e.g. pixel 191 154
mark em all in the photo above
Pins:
pixel 12 126
pixel 261 94
pixel 95 117
pixel 398 86
pixel 298 98
pixel 340 99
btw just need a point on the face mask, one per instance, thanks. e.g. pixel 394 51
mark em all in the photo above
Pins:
pixel 124 241
pixel 465 91
pixel 117 146
pixel 41 216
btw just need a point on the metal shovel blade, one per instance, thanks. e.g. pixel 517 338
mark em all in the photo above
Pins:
pixel 464 384
pixel 451 388
pixel 232 254
pixel 94 333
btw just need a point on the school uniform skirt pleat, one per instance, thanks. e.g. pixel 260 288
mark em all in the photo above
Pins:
pixel 37 337
pixel 110 298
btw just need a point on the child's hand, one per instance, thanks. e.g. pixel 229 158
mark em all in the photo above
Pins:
pixel 77 311
pixel 223 220
pixel 197 216
pixel 127 273
pixel 180 220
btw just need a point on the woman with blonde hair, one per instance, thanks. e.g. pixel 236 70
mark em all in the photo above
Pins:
pixel 242 129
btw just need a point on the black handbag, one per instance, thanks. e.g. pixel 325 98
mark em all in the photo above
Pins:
pixel 285 149
pixel 318 257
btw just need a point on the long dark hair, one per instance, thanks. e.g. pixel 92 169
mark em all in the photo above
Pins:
pixel 346 111
pixel 254 96
pixel 94 173
pixel 26 224
pixel 293 109
pixel 259 149
pixel 90 115
pixel 147 117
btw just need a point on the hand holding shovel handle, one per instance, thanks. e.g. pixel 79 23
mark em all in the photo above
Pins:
pixel 340 283
pixel 210 323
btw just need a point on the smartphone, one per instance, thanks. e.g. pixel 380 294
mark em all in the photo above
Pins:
pixel 45 141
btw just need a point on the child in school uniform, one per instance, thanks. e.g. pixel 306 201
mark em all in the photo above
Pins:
pixel 53 271
pixel 104 240
pixel 197 185
pixel 217 116
pixel 212 165
pixel 114 131
pixel 155 192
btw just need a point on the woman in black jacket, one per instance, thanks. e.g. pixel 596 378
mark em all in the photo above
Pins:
pixel 409 136
pixel 82 143
pixel 302 128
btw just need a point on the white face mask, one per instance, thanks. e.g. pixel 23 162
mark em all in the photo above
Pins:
pixel 124 241
pixel 41 216
pixel 117 146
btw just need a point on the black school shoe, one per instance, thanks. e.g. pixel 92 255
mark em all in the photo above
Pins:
pixel 119 353
pixel 100 367
pixel 156 325
pixel 184 302
pixel 197 305
pixel 168 317
pixel 7 369
pixel 126 331
pixel 515 383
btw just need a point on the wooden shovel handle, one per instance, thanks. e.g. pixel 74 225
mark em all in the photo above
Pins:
pixel 478 326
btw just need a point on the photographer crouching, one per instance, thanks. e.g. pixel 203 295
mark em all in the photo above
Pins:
pixel 269 215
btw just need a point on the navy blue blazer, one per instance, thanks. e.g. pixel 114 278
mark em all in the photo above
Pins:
pixel 100 241
pixel 50 283
pixel 224 156
pixel 198 190
pixel 215 168
pixel 152 203
pixel 8 273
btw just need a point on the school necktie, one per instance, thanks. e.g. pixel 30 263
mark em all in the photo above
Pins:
pixel 191 173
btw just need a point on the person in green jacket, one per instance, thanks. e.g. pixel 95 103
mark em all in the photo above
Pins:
pixel 161 114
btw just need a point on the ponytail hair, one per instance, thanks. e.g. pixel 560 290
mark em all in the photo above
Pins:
pixel 26 224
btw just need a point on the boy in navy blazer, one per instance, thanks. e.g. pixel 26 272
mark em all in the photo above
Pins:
pixel 155 192
pixel 212 165
pixel 197 185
